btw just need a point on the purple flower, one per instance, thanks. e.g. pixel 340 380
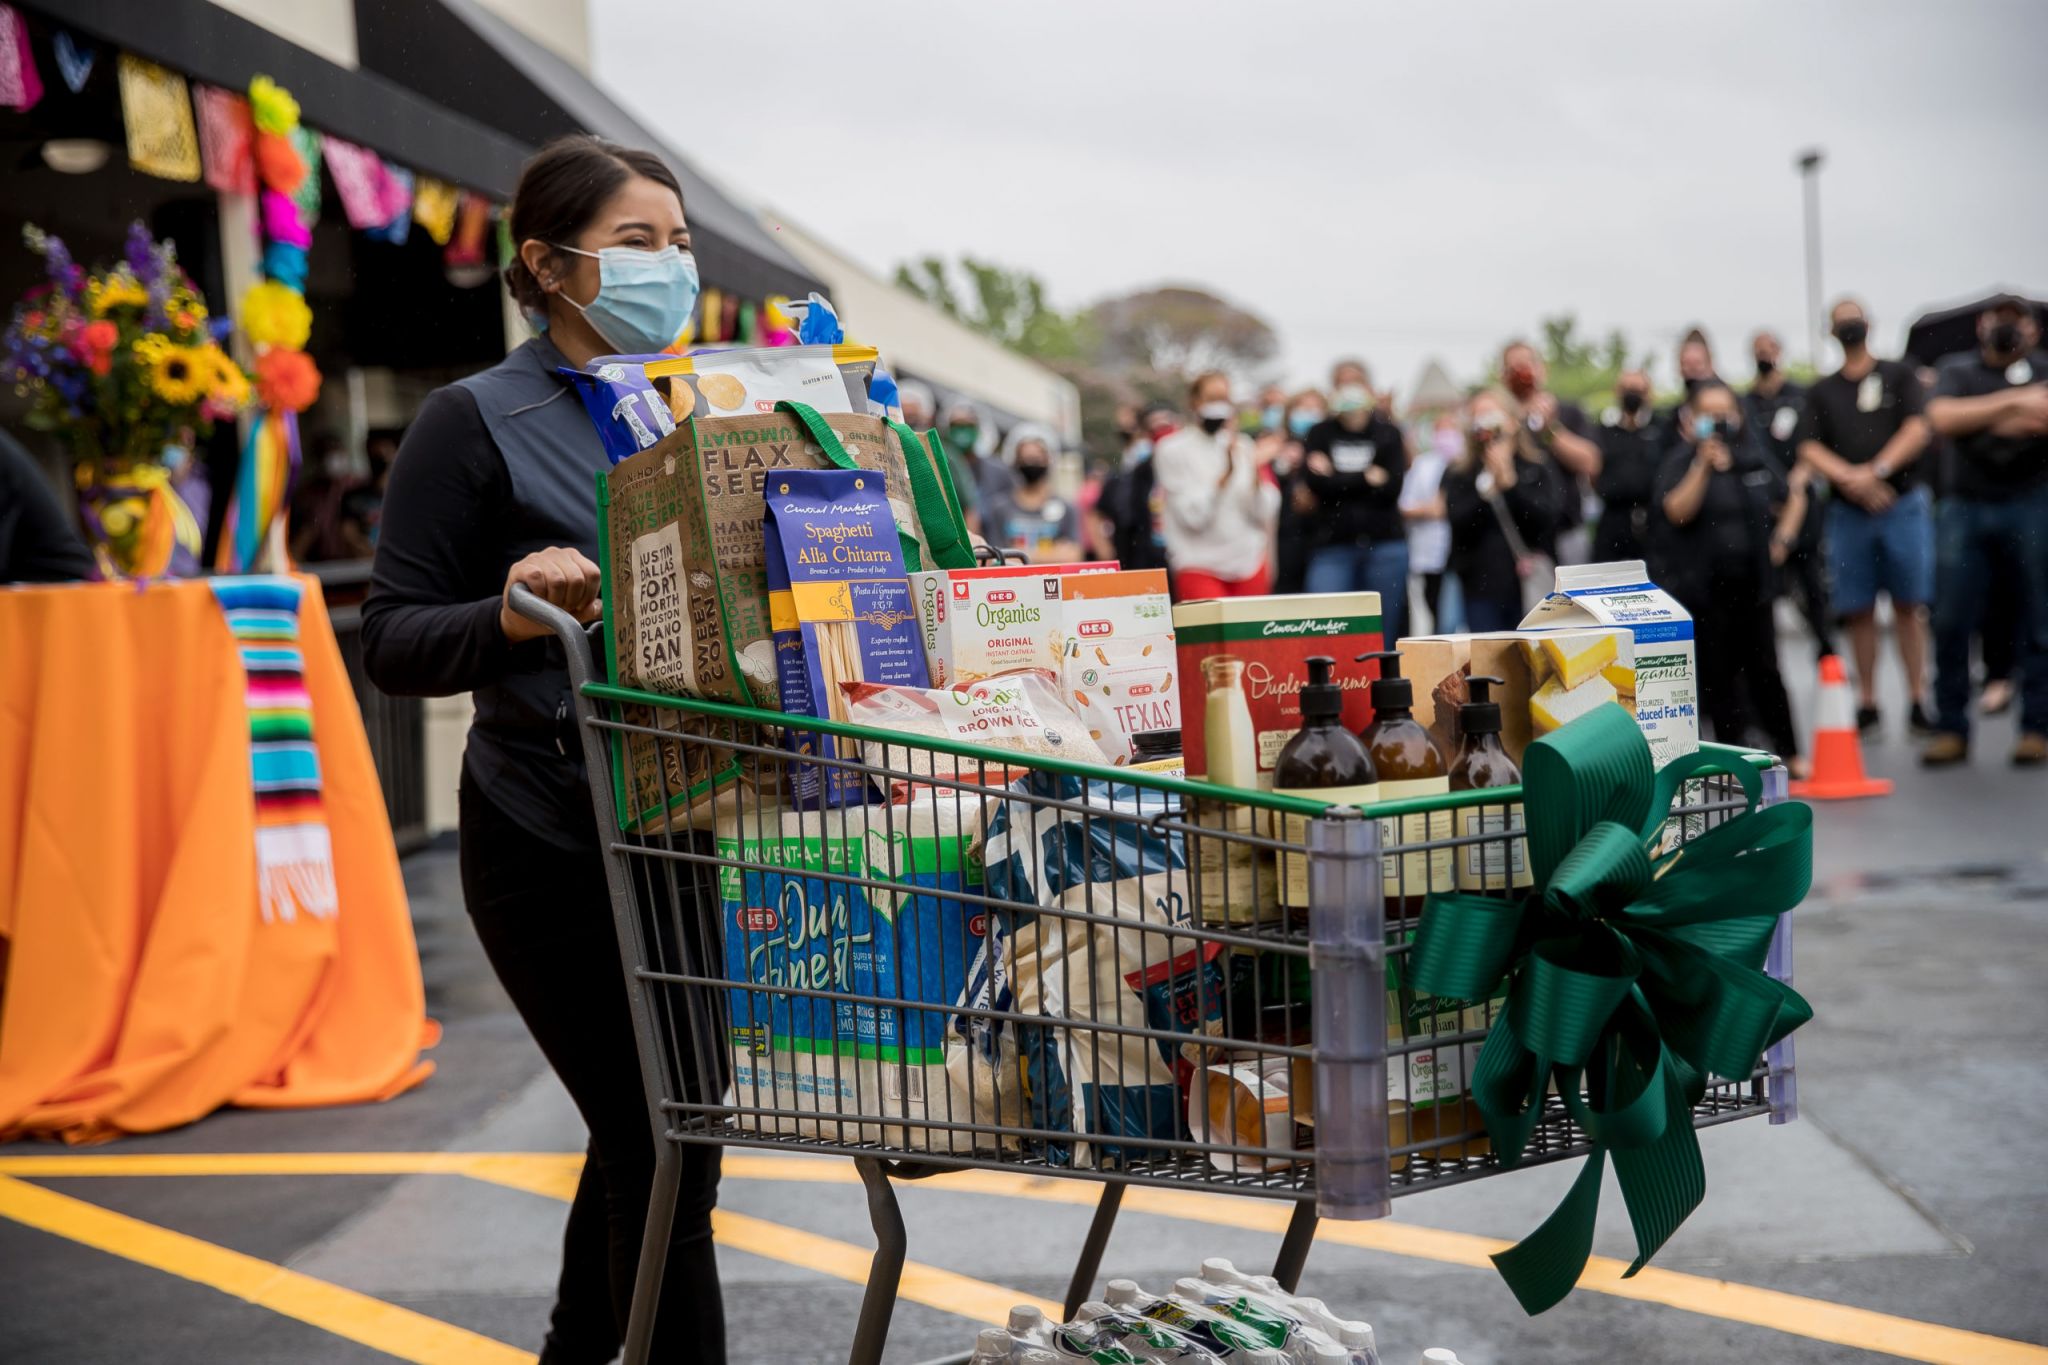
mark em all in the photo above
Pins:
pixel 63 272
pixel 142 257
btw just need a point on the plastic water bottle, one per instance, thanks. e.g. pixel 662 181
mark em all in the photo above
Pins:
pixel 1028 1324
pixel 991 1347
pixel 1438 1355
pixel 1141 1338
pixel 1213 1332
pixel 1355 1337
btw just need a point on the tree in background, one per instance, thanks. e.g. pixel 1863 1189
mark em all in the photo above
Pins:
pixel 1182 331
pixel 1124 351
pixel 1007 305
pixel 1582 369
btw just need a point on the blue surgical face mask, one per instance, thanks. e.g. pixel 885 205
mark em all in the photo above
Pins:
pixel 643 298
pixel 1303 422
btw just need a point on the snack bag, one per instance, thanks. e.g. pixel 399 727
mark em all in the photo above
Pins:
pixel 839 604
pixel 750 381
pixel 629 412
pixel 1020 712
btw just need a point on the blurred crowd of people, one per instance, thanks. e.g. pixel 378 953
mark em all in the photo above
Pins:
pixel 1926 489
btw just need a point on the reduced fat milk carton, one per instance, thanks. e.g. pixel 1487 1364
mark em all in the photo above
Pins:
pixel 1666 666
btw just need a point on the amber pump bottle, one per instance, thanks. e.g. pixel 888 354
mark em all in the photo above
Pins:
pixel 1323 761
pixel 1428 1101
pixel 1409 764
pixel 1500 864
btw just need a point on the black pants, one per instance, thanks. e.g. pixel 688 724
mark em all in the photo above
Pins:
pixel 1433 598
pixel 1737 650
pixel 544 917
pixel 1804 579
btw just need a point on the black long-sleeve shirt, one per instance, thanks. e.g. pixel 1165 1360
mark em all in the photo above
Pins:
pixel 1480 551
pixel 1352 507
pixel 453 526
pixel 37 541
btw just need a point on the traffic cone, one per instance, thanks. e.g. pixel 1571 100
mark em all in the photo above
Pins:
pixel 1837 749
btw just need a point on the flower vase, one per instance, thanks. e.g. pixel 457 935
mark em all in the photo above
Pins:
pixel 144 518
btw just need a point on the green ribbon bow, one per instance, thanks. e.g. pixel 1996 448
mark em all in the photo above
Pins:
pixel 1637 971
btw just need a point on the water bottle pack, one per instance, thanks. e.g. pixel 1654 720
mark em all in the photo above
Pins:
pixel 1221 1315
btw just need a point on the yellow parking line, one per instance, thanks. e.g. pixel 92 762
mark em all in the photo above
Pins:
pixel 342 1312
pixel 554 1175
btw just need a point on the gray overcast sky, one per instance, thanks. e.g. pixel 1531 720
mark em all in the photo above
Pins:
pixel 1396 181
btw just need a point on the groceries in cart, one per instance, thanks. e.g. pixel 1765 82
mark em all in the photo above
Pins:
pixel 839 602
pixel 1222 1314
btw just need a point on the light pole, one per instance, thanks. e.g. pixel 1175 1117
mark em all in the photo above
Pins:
pixel 1809 162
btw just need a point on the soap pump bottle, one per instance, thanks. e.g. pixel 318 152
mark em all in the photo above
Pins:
pixel 1409 765
pixel 1500 863
pixel 1323 761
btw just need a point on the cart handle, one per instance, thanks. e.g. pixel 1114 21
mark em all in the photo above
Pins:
pixel 577 638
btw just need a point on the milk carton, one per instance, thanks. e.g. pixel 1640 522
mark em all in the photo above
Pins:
pixel 844 1065
pixel 1666 667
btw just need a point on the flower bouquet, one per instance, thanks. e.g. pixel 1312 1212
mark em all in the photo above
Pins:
pixel 125 367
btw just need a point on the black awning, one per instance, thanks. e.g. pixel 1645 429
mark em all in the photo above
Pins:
pixel 445 88
pixel 467 58
pixel 208 43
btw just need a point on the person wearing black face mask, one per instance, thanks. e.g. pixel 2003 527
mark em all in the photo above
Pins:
pixel 1863 431
pixel 1771 409
pixel 1994 405
pixel 1219 498
pixel 1719 495
pixel 1028 515
pixel 1631 446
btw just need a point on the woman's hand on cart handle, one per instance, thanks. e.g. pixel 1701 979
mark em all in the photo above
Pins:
pixel 559 576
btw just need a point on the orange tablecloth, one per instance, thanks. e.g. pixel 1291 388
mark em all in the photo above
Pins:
pixel 140 987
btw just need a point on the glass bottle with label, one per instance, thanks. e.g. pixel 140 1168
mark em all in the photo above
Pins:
pixel 1500 864
pixel 1409 764
pixel 1323 761
pixel 1227 724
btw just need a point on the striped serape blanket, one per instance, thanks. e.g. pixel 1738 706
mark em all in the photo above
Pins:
pixel 294 859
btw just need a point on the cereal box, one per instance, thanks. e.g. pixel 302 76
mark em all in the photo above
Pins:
pixel 1260 647
pixel 976 623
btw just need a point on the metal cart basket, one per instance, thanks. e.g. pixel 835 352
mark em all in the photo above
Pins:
pixel 1008 960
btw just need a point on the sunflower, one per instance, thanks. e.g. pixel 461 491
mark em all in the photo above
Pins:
pixel 108 292
pixel 180 375
pixel 226 385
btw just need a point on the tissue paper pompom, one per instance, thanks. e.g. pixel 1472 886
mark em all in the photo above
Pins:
pixel 286 264
pixel 278 164
pixel 271 106
pixel 281 221
pixel 273 315
pixel 287 379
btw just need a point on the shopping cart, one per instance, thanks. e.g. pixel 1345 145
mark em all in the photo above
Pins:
pixel 1019 962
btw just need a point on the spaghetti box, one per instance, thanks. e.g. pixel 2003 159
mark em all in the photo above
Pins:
pixel 976 623
pixel 1666 665
pixel 1262 645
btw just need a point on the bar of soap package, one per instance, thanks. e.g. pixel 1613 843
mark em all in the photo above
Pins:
pixel 1665 665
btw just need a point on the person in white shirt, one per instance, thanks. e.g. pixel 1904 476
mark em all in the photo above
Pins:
pixel 1422 506
pixel 1221 500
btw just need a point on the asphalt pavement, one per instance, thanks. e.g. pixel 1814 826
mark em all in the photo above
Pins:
pixel 1911 1189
